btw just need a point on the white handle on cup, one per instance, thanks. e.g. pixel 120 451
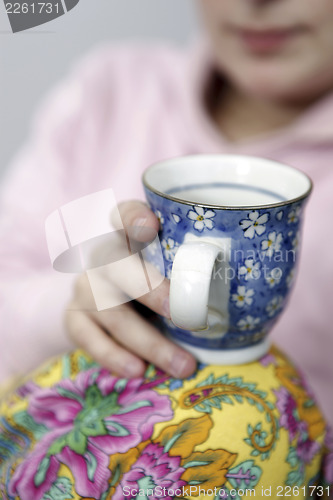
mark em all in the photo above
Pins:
pixel 190 284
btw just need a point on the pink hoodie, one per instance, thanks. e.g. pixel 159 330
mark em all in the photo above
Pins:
pixel 121 110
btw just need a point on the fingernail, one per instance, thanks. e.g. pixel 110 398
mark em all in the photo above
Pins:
pixel 166 308
pixel 179 365
pixel 138 225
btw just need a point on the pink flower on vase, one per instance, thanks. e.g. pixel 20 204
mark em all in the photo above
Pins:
pixel 28 388
pixel 89 419
pixel 287 408
pixel 306 449
pixel 268 359
pixel 154 474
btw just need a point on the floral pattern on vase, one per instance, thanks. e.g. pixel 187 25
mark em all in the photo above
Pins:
pixel 86 420
pixel 74 431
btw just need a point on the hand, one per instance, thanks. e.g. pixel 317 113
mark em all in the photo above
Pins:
pixel 119 338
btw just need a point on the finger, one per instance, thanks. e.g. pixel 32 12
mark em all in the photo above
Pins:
pixel 136 214
pixel 87 334
pixel 158 299
pixel 84 297
pixel 131 330
pixel 130 278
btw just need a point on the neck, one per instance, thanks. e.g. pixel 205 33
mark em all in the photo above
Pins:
pixel 241 117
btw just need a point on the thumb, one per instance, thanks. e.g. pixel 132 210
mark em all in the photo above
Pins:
pixel 137 216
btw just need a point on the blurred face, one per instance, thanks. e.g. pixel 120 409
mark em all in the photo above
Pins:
pixel 273 49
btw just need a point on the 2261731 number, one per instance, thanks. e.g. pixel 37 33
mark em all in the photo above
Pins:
pixel 310 491
pixel 32 8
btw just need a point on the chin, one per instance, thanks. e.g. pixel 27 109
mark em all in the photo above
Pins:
pixel 276 84
pixel 270 90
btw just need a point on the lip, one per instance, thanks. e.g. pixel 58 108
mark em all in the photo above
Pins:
pixel 263 41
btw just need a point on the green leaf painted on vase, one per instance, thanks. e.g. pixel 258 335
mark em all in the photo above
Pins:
pixel 25 420
pixel 195 463
pixel 77 441
pixel 292 457
pixel 171 442
pixel 146 486
pixel 134 406
pixel 57 445
pixel 41 471
pixel 295 478
pixel 245 476
pixel 115 475
pixel 60 490
pixel 70 395
pixel 93 397
pixel 120 385
pixel 116 429
pixel 91 462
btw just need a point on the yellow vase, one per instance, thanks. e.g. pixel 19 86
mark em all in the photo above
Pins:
pixel 73 431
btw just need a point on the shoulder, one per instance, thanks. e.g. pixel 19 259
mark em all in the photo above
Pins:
pixel 114 73
pixel 126 72
pixel 109 59
pixel 125 67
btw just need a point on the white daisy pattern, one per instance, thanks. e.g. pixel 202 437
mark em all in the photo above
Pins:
pixel 274 306
pixel 290 278
pixel 274 277
pixel 293 215
pixel 272 244
pixel 176 218
pixel 295 241
pixel 160 217
pixel 202 218
pixel 168 270
pixel 248 323
pixel 250 269
pixel 254 224
pixel 243 297
pixel 170 248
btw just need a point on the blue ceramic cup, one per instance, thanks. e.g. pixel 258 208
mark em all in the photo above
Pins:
pixel 230 231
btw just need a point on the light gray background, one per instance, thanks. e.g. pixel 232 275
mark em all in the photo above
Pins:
pixel 32 61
